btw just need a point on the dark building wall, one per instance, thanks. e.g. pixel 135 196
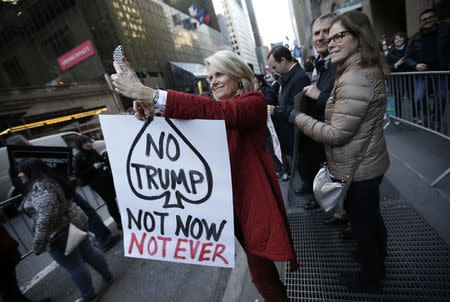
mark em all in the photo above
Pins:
pixel 387 16
pixel 43 30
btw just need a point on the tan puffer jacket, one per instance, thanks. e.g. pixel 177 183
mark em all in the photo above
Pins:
pixel 356 104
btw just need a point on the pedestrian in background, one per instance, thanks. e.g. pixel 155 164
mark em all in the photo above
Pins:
pixel 396 60
pixel 261 224
pixel 312 153
pixel 272 99
pixel 96 226
pixel 396 56
pixel 354 122
pixel 48 202
pixel 9 258
pixel 93 170
pixel 293 79
pixel 428 50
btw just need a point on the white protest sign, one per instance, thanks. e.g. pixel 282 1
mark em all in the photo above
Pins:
pixel 173 185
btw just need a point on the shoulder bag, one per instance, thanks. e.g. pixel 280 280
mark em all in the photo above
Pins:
pixel 329 192
pixel 74 238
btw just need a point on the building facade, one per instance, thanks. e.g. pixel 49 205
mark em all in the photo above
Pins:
pixel 387 16
pixel 303 14
pixel 49 43
pixel 261 54
pixel 235 25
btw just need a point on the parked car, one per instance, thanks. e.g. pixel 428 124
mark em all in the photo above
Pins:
pixel 63 139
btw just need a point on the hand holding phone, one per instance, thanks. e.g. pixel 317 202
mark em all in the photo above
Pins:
pixel 126 81
pixel 118 54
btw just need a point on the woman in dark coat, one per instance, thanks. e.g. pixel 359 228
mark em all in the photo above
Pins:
pixel 92 170
pixel 396 56
pixel 261 224
pixel 48 201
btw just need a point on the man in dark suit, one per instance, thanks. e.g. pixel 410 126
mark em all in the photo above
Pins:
pixel 312 153
pixel 293 79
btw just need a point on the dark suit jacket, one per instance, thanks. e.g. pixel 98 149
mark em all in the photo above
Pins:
pixel 325 84
pixel 270 95
pixel 415 50
pixel 293 83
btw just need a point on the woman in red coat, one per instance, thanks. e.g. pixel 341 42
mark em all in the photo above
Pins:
pixel 261 225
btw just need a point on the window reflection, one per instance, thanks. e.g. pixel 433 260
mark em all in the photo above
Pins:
pixel 46 29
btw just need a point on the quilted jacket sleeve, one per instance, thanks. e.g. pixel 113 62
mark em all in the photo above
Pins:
pixel 246 111
pixel 45 205
pixel 353 92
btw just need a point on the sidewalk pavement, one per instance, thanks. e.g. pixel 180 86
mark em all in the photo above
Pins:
pixel 416 216
pixel 418 264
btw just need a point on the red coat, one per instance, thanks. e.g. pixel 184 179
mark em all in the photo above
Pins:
pixel 261 223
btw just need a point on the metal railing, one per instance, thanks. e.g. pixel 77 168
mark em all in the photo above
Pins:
pixel 421 99
pixel 20 226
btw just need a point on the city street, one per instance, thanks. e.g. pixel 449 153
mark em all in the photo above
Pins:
pixel 406 181
pixel 173 121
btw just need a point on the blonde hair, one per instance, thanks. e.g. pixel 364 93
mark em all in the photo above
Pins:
pixel 229 63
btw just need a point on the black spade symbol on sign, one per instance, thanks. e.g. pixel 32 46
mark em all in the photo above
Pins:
pixel 190 183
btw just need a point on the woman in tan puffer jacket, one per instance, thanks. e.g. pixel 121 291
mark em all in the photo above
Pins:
pixel 354 117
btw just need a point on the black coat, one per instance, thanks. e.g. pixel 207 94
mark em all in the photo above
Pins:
pixel 393 56
pixel 293 83
pixel 325 83
pixel 87 174
pixel 270 95
pixel 415 52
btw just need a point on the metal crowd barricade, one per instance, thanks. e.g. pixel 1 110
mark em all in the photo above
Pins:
pixel 19 226
pixel 421 99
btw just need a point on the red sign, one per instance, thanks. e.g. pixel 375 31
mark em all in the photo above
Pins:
pixel 76 55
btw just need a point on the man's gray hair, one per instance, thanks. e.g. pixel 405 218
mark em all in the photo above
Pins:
pixel 323 17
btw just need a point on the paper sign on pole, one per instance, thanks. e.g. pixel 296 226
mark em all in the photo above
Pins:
pixel 173 185
pixel 275 141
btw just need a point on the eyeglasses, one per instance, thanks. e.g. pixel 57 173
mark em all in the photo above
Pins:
pixel 337 38
pixel 428 19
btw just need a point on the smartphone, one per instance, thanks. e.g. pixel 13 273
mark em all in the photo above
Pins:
pixel 118 54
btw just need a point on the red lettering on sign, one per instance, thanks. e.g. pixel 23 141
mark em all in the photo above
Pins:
pixel 179 249
pixel 218 253
pixel 164 239
pixel 140 245
pixel 204 251
pixel 155 243
pixel 194 249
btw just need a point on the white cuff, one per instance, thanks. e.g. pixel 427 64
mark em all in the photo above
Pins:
pixel 161 103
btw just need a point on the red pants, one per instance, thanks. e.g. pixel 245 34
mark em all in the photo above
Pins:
pixel 265 277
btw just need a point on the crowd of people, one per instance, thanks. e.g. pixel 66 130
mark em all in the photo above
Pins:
pixel 426 50
pixel 339 116
pixel 334 111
